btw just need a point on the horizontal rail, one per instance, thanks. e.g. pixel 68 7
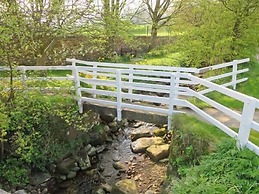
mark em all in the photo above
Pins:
pixel 217 105
pixel 224 85
pixel 222 65
pixel 212 120
pixel 129 66
pixel 99 92
pixel 234 94
pixel 226 75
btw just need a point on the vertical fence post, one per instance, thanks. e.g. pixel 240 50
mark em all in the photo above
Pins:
pixel 94 77
pixel 177 80
pixel 246 122
pixel 77 85
pixel 234 75
pixel 23 75
pixel 119 97
pixel 172 96
pixel 130 80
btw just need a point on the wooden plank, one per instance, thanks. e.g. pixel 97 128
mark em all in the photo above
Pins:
pixel 224 85
pixel 254 148
pixel 98 82
pixel 146 98
pixel 99 101
pixel 217 105
pixel 99 92
pixel 128 66
pixel 212 120
pixel 226 91
pixel 226 75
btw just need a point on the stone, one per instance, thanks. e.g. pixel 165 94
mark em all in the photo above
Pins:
pixel 20 192
pixel 141 144
pixel 84 164
pixel 160 132
pixel 100 148
pixel 39 178
pixel 140 132
pixel 126 186
pixel 158 152
pixel 97 135
pixel 71 175
pixel 119 166
pixel 113 126
pixel 4 192
pixel 75 169
pixel 63 177
pixel 64 166
pixel 92 151
pixel 107 117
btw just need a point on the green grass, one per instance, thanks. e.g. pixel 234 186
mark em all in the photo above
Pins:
pixel 145 30
pixel 203 129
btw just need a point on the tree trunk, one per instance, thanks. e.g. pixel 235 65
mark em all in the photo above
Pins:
pixel 154 31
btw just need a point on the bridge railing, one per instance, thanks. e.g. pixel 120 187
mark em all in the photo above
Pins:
pixel 245 119
pixel 229 71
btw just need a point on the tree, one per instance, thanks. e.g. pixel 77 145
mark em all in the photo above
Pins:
pixel 116 28
pixel 45 23
pixel 161 12
pixel 211 32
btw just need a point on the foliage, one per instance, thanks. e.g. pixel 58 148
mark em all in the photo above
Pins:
pixel 212 32
pixel 38 132
pixel 228 170
pixel 191 139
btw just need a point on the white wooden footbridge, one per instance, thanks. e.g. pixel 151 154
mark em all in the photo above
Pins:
pixel 144 87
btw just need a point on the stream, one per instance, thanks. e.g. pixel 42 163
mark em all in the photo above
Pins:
pixel 149 176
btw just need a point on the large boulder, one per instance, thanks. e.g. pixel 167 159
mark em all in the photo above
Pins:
pixel 126 186
pixel 158 152
pixel 160 132
pixel 140 132
pixel 140 145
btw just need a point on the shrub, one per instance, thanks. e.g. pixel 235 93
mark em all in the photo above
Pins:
pixel 228 170
pixel 38 131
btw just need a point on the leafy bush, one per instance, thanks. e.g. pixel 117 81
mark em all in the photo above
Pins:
pixel 38 132
pixel 191 139
pixel 226 171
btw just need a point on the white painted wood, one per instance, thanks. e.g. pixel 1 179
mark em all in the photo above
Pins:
pixel 237 95
pixel 99 101
pixel 226 74
pixel 224 85
pixel 146 98
pixel 171 100
pixel 246 122
pixel 254 148
pixel 98 82
pixel 234 75
pixel 216 105
pixel 212 120
pixel 126 66
pixel 99 92
pixel 154 86
pixel 223 65
pixel 23 76
pixel 255 126
pixel 119 94
pixel 77 86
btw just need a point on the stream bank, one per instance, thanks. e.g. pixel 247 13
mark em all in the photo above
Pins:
pixel 128 157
